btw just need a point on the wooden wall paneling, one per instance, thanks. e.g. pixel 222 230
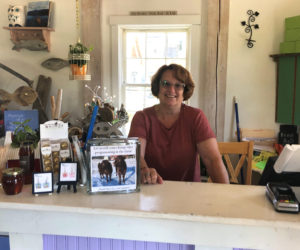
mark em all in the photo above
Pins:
pixel 286 83
pixel 71 242
pixel 59 242
pixel 91 36
pixel 297 91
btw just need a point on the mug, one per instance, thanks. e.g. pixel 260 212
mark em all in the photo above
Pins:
pixel 16 15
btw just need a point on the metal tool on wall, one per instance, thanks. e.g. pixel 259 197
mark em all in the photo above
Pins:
pixel 249 26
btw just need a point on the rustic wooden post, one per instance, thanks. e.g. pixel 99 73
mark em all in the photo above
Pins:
pixel 216 65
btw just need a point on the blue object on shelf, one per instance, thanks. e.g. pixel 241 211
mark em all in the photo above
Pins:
pixel 91 127
pixel 11 116
pixel 4 242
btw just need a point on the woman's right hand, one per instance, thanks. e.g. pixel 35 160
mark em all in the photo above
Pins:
pixel 150 176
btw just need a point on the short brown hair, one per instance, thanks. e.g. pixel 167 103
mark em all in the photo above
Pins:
pixel 180 73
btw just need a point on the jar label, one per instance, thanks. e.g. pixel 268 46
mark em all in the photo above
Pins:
pixel 64 153
pixel 55 147
pixel 46 150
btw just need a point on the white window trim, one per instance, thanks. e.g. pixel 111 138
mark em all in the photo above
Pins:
pixel 118 23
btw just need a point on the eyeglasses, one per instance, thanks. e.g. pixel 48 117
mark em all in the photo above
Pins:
pixel 178 86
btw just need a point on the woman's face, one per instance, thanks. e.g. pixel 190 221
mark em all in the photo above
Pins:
pixel 170 90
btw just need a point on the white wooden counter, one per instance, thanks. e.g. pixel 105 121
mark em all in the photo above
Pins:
pixel 179 212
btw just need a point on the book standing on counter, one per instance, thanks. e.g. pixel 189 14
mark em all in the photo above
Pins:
pixel 11 116
pixel 113 165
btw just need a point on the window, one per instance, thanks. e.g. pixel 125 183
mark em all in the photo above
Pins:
pixel 144 51
pixel 140 45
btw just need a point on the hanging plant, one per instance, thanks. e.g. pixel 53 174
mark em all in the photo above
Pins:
pixel 78 58
pixel 79 55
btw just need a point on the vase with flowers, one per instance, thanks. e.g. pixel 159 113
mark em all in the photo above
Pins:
pixel 26 139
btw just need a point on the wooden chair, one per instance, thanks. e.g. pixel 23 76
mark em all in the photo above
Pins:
pixel 244 150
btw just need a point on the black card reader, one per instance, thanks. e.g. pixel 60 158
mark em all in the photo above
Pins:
pixel 282 197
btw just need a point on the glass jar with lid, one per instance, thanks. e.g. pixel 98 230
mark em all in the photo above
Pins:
pixel 12 180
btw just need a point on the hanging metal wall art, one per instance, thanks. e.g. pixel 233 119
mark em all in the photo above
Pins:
pixel 249 26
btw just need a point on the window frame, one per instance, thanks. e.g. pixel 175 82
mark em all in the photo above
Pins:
pixel 124 84
pixel 191 23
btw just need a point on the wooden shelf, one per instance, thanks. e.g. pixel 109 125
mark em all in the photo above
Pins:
pixel 276 56
pixel 30 33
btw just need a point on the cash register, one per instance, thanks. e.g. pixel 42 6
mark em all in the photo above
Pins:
pixel 283 168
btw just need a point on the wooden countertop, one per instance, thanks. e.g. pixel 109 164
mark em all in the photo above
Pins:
pixel 180 200
pixel 172 204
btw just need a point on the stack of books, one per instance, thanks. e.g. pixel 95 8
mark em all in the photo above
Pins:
pixel 264 142
pixel 264 139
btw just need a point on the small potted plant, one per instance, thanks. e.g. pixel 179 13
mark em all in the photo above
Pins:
pixel 78 58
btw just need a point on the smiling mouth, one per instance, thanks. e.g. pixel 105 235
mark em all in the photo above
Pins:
pixel 170 96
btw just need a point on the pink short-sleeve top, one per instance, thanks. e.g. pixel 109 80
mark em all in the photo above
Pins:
pixel 173 151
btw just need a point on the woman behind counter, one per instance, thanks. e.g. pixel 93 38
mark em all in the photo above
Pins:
pixel 172 134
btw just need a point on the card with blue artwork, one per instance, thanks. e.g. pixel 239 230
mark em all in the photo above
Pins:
pixel 39 14
pixel 11 116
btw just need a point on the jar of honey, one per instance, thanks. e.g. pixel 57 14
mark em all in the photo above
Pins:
pixel 12 180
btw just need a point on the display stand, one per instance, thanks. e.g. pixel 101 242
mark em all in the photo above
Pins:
pixel 68 175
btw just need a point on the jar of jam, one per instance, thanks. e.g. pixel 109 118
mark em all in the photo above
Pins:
pixel 12 180
pixel 26 156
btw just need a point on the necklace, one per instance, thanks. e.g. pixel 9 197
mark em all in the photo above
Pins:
pixel 167 119
pixel 164 112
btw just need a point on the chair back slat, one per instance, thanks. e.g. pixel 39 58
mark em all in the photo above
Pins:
pixel 239 164
pixel 244 150
pixel 230 169
pixel 233 147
